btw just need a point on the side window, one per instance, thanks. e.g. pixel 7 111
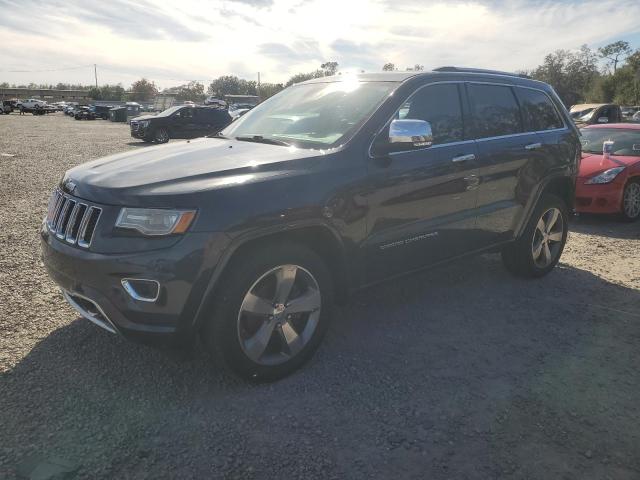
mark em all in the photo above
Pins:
pixel 495 110
pixel 538 110
pixel 440 106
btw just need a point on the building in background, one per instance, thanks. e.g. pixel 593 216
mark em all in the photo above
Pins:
pixel 46 94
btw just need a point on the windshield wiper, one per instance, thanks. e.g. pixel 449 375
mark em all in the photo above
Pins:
pixel 261 139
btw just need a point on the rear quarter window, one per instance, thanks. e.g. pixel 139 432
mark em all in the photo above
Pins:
pixel 538 110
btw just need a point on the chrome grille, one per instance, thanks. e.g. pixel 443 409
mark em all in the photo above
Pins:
pixel 71 220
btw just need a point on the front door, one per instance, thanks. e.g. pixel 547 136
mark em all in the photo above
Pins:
pixel 421 201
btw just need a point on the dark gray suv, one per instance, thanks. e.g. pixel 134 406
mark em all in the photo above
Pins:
pixel 248 238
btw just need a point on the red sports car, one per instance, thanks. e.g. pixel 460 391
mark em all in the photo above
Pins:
pixel 610 182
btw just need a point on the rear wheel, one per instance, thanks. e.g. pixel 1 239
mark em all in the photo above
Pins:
pixel 631 201
pixel 161 135
pixel 272 312
pixel 539 247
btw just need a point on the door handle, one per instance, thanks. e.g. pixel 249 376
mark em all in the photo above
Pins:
pixel 533 146
pixel 463 158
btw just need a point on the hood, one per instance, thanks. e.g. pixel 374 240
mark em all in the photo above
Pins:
pixel 594 163
pixel 182 168
pixel 143 117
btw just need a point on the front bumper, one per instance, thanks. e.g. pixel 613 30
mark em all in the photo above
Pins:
pixel 599 198
pixel 92 283
pixel 138 131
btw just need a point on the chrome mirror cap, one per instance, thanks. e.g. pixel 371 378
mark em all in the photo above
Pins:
pixel 409 131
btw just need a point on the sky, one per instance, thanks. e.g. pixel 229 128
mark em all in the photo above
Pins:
pixel 172 42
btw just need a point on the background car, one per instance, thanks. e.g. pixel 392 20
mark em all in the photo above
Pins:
pixel 7 107
pixel 593 113
pixel 180 122
pixel 610 183
pixel 238 109
pixel 628 112
pixel 84 113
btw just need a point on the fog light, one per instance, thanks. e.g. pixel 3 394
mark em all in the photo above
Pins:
pixel 141 289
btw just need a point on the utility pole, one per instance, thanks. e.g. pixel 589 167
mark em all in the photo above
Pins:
pixel 258 89
pixel 95 73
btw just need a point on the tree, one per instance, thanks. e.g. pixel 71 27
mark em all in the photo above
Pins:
pixel 571 73
pixel 388 67
pixel 232 85
pixel 329 68
pixel 143 90
pixel 107 92
pixel 613 52
pixel 193 91
pixel 269 89
pixel 416 68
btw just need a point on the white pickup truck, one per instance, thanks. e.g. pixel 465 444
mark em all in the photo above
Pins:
pixel 31 103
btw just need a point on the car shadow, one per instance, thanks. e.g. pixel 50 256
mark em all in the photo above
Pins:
pixel 609 226
pixel 141 144
pixel 463 371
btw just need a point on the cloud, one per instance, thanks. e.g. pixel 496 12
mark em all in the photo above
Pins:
pixel 300 50
pixel 141 19
pixel 255 3
pixel 172 42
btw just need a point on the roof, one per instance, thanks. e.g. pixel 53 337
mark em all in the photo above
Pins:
pixel 398 76
pixel 624 126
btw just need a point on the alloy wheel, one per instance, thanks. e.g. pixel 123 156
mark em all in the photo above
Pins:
pixel 279 315
pixel 162 135
pixel 632 200
pixel 547 238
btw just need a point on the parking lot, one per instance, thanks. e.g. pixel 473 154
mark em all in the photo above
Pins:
pixel 460 372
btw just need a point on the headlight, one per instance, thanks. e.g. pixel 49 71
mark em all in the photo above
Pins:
pixel 155 221
pixel 144 123
pixel 606 176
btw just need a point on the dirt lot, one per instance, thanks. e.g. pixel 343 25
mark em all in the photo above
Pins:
pixel 463 372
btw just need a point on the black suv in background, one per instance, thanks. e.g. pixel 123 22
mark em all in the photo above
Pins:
pixel 249 236
pixel 187 121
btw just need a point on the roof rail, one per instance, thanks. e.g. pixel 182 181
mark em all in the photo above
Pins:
pixel 479 70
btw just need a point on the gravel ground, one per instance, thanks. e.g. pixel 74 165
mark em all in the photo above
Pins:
pixel 463 372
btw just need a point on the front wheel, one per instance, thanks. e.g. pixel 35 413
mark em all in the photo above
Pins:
pixel 161 135
pixel 539 247
pixel 631 201
pixel 272 312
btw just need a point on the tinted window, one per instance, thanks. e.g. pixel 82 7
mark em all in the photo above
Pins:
pixel 440 106
pixel 538 110
pixel 495 110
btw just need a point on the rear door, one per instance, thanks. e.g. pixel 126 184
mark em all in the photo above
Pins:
pixel 507 155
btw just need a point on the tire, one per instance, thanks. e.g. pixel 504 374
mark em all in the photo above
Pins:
pixel 527 256
pixel 631 201
pixel 254 345
pixel 161 135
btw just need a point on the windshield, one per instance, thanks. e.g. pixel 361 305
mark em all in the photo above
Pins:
pixel 626 142
pixel 315 115
pixel 583 114
pixel 169 111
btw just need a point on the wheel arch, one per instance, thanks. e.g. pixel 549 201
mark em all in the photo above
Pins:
pixel 560 184
pixel 320 238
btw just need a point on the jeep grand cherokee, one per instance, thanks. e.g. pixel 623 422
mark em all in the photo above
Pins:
pixel 248 237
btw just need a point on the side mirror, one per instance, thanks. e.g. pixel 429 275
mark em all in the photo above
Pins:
pixel 603 119
pixel 410 133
